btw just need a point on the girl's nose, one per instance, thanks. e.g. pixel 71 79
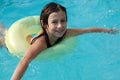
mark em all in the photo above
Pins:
pixel 59 25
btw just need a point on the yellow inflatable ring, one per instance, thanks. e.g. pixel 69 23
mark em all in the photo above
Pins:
pixel 16 36
pixel 16 39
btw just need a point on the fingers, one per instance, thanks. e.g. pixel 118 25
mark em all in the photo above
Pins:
pixel 114 30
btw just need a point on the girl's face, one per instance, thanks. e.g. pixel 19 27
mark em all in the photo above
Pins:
pixel 56 24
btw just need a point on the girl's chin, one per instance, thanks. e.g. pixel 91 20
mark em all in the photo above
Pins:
pixel 59 36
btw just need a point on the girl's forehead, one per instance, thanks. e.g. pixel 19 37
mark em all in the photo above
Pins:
pixel 59 14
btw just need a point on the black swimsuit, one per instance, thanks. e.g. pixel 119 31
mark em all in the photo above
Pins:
pixel 47 39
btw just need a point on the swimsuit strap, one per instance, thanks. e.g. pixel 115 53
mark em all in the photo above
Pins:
pixel 34 38
pixel 39 35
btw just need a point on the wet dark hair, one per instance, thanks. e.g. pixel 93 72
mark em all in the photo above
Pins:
pixel 48 9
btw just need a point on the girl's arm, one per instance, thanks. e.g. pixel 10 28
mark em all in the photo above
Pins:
pixel 31 53
pixel 77 31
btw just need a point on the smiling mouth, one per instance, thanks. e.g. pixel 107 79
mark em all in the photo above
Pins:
pixel 60 31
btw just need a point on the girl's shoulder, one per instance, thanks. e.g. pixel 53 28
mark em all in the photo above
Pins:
pixel 37 37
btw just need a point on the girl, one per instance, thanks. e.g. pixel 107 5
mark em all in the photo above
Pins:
pixel 53 20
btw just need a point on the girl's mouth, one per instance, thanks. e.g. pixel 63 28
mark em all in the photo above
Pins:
pixel 60 31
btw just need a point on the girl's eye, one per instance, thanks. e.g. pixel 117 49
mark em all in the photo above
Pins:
pixel 54 22
pixel 62 20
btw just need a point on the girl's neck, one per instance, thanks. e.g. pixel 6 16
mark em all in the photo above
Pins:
pixel 52 39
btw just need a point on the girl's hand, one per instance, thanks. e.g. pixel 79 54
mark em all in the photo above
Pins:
pixel 113 30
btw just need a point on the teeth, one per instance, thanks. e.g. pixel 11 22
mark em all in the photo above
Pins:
pixel 59 30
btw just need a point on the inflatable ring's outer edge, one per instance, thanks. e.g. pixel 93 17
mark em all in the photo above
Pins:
pixel 15 38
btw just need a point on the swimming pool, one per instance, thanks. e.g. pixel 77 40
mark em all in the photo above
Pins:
pixel 96 56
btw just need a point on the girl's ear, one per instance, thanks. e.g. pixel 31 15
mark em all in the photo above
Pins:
pixel 43 25
pixel 41 21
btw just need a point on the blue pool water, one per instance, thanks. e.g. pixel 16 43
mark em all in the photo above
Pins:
pixel 97 55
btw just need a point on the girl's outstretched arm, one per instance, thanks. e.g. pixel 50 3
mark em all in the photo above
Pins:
pixel 31 53
pixel 77 31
